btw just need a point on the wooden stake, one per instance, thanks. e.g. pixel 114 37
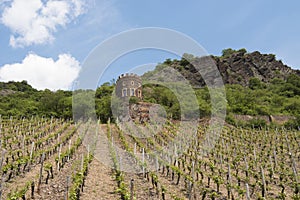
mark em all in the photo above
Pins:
pixel 82 160
pixel 156 162
pixel 143 160
pixel 70 141
pixel 131 189
pixel 2 178
pixel 31 151
pixel 120 163
pixel 264 188
pixel 67 189
pixel 275 158
pixel 59 152
pixel 247 192
pixel 23 145
pixel 134 149
pixel 41 173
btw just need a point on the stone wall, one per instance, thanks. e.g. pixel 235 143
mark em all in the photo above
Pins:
pixel 279 119
pixel 129 85
pixel 140 112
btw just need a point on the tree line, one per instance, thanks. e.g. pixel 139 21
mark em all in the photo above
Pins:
pixel 277 97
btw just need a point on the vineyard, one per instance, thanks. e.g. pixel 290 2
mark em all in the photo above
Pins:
pixel 49 158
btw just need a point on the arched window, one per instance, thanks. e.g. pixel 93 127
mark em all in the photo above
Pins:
pixel 132 82
pixel 132 92
pixel 124 92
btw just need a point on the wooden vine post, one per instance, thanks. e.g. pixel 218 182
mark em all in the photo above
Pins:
pixel 82 162
pixel 31 152
pixel 143 161
pixel 1 163
pixel 247 192
pixel 41 173
pixel 229 181
pixel 32 190
pixel 67 188
pixel 70 142
pixel 264 187
pixel 58 161
pixel 134 151
pixel 131 189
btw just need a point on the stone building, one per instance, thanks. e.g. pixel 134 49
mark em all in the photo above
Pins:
pixel 129 85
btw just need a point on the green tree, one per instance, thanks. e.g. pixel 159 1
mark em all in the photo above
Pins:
pixel 227 52
pixel 255 83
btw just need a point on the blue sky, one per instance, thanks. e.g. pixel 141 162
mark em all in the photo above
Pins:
pixel 47 41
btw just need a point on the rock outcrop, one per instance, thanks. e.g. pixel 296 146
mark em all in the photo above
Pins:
pixel 240 67
pixel 236 68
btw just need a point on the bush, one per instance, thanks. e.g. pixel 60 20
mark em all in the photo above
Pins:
pixel 293 123
pixel 255 83
pixel 134 100
pixel 230 119
pixel 256 123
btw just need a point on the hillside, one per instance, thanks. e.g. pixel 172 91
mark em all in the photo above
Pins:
pixel 238 67
pixel 256 84
pixel 45 155
pixel 235 67
pixel 59 159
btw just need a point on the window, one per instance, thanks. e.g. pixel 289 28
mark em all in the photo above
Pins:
pixel 139 93
pixel 132 82
pixel 123 83
pixel 124 92
pixel 132 92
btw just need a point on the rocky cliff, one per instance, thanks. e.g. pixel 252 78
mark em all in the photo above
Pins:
pixel 237 67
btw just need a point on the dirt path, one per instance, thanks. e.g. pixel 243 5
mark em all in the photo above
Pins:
pixel 99 183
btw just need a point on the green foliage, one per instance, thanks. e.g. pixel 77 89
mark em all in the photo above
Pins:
pixel 176 100
pixel 104 101
pixel 242 50
pixel 83 104
pixel 168 61
pixel 27 101
pixel 134 100
pixel 256 123
pixel 294 80
pixel 279 97
pixel 271 99
pixel 22 86
pixel 163 96
pixel 293 123
pixel 255 83
pixel 228 52
pixel 230 119
pixel 78 179
pixel 103 108
pixel 19 194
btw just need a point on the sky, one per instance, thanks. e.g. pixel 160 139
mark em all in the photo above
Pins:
pixel 46 42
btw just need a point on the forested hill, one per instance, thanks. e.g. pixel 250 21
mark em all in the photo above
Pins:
pixel 256 84
pixel 21 99
pixel 235 67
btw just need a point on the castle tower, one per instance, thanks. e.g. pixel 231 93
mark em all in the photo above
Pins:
pixel 129 85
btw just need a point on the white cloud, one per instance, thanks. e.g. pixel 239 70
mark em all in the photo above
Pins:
pixel 35 21
pixel 42 73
